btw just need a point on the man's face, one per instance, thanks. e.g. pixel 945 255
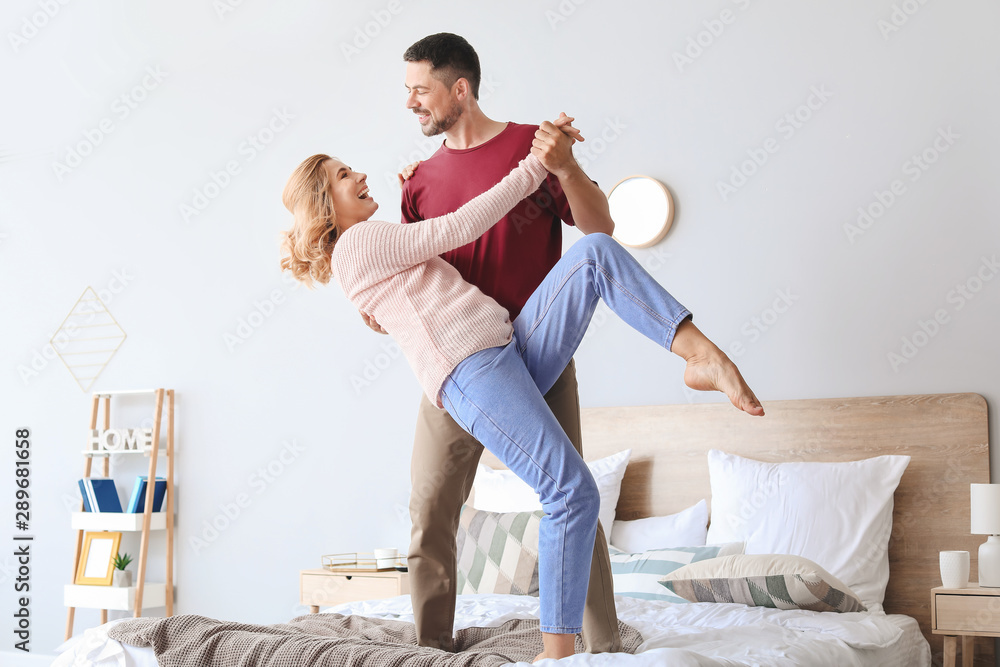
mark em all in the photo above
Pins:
pixel 434 103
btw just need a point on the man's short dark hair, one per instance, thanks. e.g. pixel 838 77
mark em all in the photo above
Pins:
pixel 451 58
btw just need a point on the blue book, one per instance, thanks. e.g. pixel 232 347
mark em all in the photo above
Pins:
pixel 83 492
pixel 159 493
pixel 138 495
pixel 138 501
pixel 90 494
pixel 105 497
pixel 140 485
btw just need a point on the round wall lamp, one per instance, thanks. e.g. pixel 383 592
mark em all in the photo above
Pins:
pixel 642 209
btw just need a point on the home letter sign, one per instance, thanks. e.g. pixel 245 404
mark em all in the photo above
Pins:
pixel 121 440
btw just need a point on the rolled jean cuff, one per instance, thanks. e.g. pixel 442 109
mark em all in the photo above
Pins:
pixel 684 314
pixel 559 630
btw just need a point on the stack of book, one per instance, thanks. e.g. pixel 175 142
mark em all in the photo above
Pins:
pixel 101 495
pixel 137 503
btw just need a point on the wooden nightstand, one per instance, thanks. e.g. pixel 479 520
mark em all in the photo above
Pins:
pixel 325 588
pixel 967 613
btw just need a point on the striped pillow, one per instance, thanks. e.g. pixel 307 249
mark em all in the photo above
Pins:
pixel 498 551
pixel 764 580
pixel 638 575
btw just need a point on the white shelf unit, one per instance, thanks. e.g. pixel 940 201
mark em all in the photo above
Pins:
pixel 88 452
pixel 119 521
pixel 117 598
pixel 132 598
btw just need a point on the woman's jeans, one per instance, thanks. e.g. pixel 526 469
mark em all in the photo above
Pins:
pixel 496 395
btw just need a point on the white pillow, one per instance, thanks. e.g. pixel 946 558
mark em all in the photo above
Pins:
pixel 838 515
pixel 688 527
pixel 503 491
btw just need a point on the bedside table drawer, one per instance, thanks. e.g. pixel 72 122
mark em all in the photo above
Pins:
pixel 334 589
pixel 967 613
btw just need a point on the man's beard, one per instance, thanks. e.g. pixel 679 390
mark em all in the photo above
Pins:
pixel 432 128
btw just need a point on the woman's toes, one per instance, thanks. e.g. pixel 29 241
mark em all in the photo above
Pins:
pixel 753 407
pixel 719 373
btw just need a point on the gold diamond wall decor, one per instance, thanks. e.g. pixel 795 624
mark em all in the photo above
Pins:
pixel 87 338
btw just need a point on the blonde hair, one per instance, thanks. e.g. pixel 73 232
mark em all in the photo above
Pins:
pixel 307 246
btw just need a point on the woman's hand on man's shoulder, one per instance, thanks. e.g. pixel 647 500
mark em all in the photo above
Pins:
pixel 407 173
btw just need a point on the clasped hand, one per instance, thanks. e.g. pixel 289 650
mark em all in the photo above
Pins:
pixel 553 145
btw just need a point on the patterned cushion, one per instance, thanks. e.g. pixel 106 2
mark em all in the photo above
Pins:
pixel 498 552
pixel 764 580
pixel 638 575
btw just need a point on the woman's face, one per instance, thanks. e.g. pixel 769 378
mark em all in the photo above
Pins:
pixel 351 201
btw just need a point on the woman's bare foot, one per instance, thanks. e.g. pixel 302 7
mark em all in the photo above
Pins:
pixel 709 369
pixel 556 646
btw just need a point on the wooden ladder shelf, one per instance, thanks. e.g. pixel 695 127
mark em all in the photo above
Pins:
pixel 72 591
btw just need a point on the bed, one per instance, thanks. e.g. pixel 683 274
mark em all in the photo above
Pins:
pixel 945 436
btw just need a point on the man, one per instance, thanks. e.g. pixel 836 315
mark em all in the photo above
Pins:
pixel 507 263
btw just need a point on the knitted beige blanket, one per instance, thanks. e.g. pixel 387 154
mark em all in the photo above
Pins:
pixel 331 640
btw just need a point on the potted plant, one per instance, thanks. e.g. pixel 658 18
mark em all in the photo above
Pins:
pixel 122 577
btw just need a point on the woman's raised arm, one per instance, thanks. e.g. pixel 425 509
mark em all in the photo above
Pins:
pixel 381 249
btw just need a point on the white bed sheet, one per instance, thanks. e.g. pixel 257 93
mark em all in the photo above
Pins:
pixel 681 635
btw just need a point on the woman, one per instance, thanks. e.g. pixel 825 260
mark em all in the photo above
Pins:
pixel 491 374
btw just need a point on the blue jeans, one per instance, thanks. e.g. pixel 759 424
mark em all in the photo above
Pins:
pixel 496 394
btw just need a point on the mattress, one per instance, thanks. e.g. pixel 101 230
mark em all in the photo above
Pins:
pixel 681 635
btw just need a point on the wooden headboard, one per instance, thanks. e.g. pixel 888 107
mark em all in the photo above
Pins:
pixel 946 436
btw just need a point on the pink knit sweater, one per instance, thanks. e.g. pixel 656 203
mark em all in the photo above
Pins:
pixel 393 273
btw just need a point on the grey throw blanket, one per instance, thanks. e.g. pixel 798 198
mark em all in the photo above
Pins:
pixel 331 640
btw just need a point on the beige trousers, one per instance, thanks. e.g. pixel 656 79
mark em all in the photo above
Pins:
pixel 442 471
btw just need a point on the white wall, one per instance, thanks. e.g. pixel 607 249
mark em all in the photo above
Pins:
pixel 179 287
